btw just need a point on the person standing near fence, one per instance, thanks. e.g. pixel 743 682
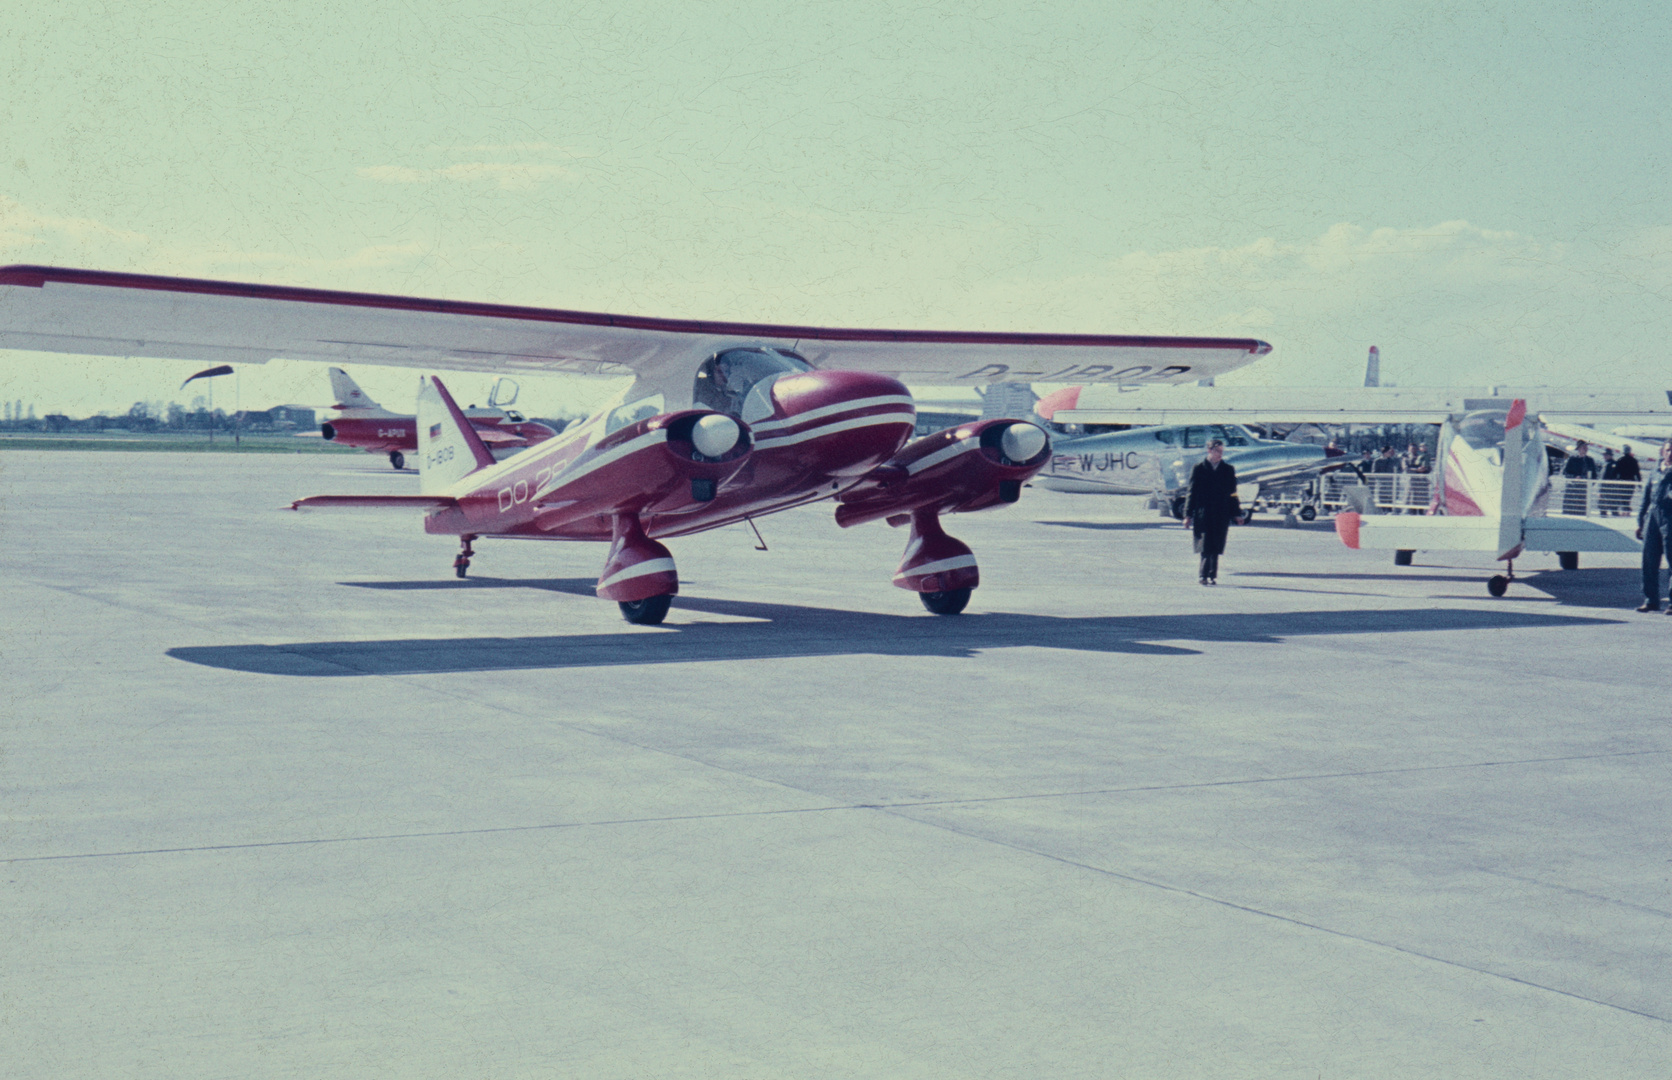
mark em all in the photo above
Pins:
pixel 1630 475
pixel 1609 502
pixel 1210 508
pixel 1654 528
pixel 1579 468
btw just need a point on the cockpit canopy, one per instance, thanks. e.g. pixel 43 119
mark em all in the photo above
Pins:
pixel 1196 436
pixel 1484 429
pixel 725 380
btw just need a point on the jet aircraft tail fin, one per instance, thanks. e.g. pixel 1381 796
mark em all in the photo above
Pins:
pixel 448 447
pixel 348 392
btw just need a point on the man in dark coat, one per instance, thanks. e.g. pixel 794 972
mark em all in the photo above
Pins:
pixel 1211 507
pixel 1654 528
pixel 1580 466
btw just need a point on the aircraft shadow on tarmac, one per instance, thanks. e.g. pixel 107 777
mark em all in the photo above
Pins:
pixel 790 630
pixel 1170 523
pixel 1593 587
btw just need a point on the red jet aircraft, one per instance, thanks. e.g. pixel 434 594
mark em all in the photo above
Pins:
pixel 723 422
pixel 364 423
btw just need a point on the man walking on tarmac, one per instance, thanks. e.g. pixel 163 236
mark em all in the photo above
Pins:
pixel 1654 528
pixel 1211 507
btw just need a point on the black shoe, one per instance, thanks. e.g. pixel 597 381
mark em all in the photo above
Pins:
pixel 1204 581
pixel 1650 605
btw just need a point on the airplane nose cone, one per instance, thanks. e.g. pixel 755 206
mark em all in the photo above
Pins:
pixel 849 421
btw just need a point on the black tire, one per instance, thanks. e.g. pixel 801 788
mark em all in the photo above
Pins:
pixel 1402 557
pixel 397 459
pixel 1569 560
pixel 1177 507
pixel 1309 513
pixel 950 602
pixel 647 612
pixel 1497 584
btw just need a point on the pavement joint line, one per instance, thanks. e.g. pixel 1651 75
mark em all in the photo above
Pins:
pixel 1577 892
pixel 883 806
pixel 1284 779
pixel 1302 923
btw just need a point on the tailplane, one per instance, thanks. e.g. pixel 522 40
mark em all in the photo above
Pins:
pixel 448 447
pixel 348 392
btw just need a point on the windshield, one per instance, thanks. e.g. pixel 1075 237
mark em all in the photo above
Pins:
pixel 1483 430
pixel 726 379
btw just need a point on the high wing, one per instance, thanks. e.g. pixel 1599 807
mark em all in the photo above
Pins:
pixel 109 314
pixel 1342 405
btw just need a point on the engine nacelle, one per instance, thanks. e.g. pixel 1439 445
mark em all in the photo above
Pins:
pixel 969 467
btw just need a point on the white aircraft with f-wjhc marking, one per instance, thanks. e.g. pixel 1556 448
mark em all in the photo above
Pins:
pixel 723 422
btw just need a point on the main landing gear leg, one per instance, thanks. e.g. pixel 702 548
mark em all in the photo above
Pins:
pixel 462 563
pixel 1498 584
pixel 639 574
pixel 939 568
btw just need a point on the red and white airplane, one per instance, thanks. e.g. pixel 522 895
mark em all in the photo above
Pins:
pixel 723 422
pixel 363 423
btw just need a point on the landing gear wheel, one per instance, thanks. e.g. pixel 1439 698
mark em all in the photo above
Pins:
pixel 1569 559
pixel 1309 513
pixel 1497 584
pixel 647 612
pixel 1402 557
pixel 950 602
pixel 397 459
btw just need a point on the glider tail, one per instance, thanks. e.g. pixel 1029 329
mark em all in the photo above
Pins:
pixel 347 391
pixel 448 447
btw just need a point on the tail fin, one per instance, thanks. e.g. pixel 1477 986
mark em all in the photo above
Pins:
pixel 347 392
pixel 448 447
pixel 1373 368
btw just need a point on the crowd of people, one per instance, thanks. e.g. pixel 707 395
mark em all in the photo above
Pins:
pixel 1211 505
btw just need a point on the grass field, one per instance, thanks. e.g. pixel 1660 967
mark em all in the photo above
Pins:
pixel 170 442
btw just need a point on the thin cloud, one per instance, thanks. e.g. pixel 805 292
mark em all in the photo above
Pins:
pixel 507 175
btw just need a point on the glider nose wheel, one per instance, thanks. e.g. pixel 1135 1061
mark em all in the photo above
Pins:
pixel 462 562
pixel 397 459
pixel 647 612
pixel 1498 584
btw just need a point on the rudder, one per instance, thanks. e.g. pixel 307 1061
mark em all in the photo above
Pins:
pixel 448 447
pixel 348 392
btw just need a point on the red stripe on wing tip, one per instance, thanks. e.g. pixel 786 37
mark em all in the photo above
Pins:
pixel 1517 413
pixel 1346 527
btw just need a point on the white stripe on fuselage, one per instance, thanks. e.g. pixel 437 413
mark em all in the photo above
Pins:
pixel 895 417
pixel 832 410
pixel 631 446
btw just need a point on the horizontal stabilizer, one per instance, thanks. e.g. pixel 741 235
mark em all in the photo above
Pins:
pixel 374 502
pixel 1396 532
pixel 1581 534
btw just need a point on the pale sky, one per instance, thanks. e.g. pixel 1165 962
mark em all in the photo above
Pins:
pixel 1479 189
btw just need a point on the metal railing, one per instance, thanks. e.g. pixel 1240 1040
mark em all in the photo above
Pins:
pixel 1572 496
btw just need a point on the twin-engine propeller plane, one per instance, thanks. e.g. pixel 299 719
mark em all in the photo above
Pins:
pixel 363 423
pixel 723 422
